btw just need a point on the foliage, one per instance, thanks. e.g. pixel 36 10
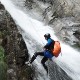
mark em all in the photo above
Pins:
pixel 3 65
pixel 1 53
pixel 3 71
pixel 0 34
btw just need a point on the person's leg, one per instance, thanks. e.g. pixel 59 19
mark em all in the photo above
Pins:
pixel 43 63
pixel 35 55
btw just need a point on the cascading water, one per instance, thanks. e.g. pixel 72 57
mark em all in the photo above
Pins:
pixel 33 32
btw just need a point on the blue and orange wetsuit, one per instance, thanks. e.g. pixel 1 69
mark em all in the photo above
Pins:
pixel 48 47
pixel 46 53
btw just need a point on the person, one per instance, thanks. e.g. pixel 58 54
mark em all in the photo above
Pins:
pixel 46 53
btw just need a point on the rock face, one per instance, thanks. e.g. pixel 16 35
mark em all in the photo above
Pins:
pixel 15 48
pixel 61 15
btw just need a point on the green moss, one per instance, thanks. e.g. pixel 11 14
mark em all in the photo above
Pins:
pixel 3 65
pixel 3 71
pixel 0 34
pixel 1 53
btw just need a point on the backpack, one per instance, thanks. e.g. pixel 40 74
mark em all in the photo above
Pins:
pixel 57 49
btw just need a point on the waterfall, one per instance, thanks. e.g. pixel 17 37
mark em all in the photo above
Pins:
pixel 33 33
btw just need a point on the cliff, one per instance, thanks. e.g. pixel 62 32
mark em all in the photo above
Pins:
pixel 15 50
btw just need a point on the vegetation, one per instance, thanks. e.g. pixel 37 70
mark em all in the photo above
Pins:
pixel 3 66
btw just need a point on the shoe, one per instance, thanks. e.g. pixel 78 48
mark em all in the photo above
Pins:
pixel 28 63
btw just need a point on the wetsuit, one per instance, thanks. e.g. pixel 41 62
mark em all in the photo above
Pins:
pixel 46 53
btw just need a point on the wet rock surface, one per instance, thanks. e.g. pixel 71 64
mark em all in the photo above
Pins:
pixel 56 73
pixel 15 48
pixel 62 15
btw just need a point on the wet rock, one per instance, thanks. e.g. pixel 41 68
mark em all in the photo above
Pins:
pixel 77 34
pixel 62 16
pixel 1 6
pixel 15 48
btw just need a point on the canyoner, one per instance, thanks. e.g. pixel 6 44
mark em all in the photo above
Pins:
pixel 51 49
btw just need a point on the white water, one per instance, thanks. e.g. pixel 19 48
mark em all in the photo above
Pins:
pixel 70 59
